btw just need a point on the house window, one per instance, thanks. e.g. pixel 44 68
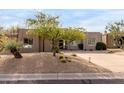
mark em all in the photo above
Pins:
pixel 28 43
pixel 91 41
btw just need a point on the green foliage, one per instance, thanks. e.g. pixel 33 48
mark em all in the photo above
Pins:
pixel 61 56
pixel 73 34
pixel 1 44
pixel 63 60
pixel 5 42
pixel 116 30
pixel 54 35
pixel 42 24
pixel 100 46
pixel 68 59
pixel 46 26
pixel 12 44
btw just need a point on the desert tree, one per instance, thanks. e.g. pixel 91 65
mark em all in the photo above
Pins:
pixel 41 25
pixel 73 34
pixel 116 30
pixel 47 27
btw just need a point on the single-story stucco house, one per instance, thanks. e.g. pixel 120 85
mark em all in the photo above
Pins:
pixel 33 44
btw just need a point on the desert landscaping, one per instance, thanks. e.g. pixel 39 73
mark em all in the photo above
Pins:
pixel 46 63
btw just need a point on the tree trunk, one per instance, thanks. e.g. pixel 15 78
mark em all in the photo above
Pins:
pixel 43 44
pixel 16 53
pixel 54 47
pixel 66 45
pixel 39 44
pixel 117 43
pixel 1 46
pixel 54 53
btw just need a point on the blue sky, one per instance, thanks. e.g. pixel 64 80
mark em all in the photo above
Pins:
pixel 92 20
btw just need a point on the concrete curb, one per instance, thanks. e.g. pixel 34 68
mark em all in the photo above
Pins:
pixel 62 76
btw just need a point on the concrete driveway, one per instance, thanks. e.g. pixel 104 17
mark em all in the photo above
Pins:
pixel 113 62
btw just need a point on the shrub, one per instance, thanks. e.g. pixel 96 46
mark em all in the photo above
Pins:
pixel 66 57
pixel 74 55
pixel 61 56
pixel 68 60
pixel 14 47
pixel 12 44
pixel 80 46
pixel 100 46
pixel 63 60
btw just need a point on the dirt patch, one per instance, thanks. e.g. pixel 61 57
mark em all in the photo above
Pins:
pixel 46 63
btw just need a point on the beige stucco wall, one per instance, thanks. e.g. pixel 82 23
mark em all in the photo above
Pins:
pixel 89 35
pixel 48 46
pixel 35 47
pixel 104 38
pixel 108 40
pixel 21 35
pixel 96 35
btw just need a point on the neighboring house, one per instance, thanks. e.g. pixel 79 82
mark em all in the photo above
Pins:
pixel 91 39
pixel 89 43
pixel 31 43
pixel 108 40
